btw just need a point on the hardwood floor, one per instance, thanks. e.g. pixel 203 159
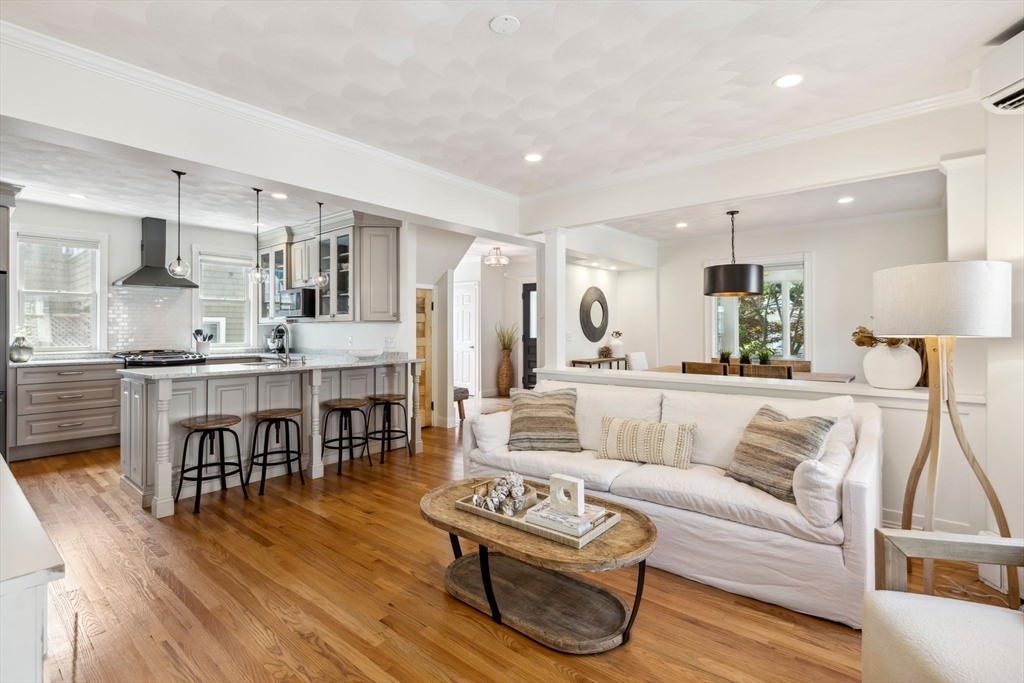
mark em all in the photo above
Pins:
pixel 342 580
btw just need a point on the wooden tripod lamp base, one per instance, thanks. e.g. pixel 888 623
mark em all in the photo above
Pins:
pixel 940 388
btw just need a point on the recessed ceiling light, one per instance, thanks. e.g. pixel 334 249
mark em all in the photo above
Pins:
pixel 788 81
pixel 258 225
pixel 680 225
pixel 505 24
pixel 595 264
pixel 611 267
pixel 279 195
pixel 846 200
pixel 76 195
pixel 532 157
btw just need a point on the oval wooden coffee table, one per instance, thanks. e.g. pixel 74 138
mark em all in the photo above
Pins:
pixel 520 579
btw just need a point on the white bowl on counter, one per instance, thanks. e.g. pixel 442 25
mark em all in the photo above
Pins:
pixel 365 354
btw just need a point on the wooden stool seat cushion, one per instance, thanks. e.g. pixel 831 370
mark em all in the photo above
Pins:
pixel 345 403
pixel 461 393
pixel 277 413
pixel 210 422
pixel 380 398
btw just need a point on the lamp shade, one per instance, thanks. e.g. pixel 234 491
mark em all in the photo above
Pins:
pixel 734 279
pixel 949 299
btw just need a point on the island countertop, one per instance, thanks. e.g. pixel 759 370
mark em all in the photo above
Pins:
pixel 153 374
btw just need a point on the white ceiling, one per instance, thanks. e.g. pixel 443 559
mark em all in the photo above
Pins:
pixel 482 246
pixel 596 87
pixel 50 173
pixel 909 192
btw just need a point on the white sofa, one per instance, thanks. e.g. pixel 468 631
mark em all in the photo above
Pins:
pixel 712 528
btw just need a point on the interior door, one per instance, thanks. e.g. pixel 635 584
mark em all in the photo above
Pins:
pixel 465 333
pixel 529 335
pixel 424 350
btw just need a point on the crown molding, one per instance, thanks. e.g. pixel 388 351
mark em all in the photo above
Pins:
pixel 47 46
pixel 894 113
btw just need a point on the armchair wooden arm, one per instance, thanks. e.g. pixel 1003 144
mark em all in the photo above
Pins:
pixel 894 546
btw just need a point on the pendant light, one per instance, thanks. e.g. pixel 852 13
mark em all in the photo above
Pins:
pixel 321 279
pixel 178 268
pixel 734 279
pixel 256 274
pixel 494 258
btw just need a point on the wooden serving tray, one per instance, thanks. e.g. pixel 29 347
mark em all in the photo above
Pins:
pixel 519 521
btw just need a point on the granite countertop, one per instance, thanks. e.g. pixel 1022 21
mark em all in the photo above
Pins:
pixel 105 358
pixel 227 369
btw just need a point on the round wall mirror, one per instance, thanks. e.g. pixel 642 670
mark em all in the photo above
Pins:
pixel 594 314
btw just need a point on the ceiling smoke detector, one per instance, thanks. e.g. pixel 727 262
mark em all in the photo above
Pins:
pixel 506 24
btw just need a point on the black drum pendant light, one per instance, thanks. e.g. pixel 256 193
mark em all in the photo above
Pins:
pixel 734 279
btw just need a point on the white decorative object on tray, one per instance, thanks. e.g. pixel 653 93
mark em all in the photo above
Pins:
pixel 543 514
pixel 566 494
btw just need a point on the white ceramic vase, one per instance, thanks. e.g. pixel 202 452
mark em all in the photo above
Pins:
pixel 897 367
pixel 617 347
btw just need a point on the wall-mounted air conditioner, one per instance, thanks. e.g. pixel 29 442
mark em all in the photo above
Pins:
pixel 1001 77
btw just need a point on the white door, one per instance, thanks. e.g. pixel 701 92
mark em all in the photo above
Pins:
pixel 465 332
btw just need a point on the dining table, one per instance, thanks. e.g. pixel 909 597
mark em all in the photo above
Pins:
pixel 619 361
pixel 840 378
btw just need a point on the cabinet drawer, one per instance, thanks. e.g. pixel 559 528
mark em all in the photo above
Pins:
pixel 68 373
pixel 34 399
pixel 77 424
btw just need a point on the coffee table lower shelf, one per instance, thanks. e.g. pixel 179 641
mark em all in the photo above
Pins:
pixel 559 610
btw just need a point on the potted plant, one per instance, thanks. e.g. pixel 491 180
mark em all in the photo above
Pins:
pixel 764 355
pixel 745 352
pixel 507 337
pixel 724 355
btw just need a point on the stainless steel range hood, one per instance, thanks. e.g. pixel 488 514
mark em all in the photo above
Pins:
pixel 153 272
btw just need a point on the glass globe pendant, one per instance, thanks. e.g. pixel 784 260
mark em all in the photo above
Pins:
pixel 178 268
pixel 257 275
pixel 321 279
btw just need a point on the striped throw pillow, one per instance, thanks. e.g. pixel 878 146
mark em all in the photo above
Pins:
pixel 772 446
pixel 658 443
pixel 544 421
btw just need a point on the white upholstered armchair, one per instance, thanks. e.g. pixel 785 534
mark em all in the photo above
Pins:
pixel 910 637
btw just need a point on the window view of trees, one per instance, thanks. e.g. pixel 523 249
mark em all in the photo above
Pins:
pixel 774 320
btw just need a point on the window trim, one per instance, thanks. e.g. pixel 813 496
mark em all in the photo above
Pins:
pixel 780 259
pixel 27 232
pixel 249 256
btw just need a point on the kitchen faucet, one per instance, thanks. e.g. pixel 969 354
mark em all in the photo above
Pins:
pixel 287 354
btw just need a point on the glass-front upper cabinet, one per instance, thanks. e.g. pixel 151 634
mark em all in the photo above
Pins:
pixel 274 261
pixel 266 297
pixel 336 300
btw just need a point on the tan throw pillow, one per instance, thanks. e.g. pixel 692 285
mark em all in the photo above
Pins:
pixel 772 446
pixel 657 443
pixel 544 422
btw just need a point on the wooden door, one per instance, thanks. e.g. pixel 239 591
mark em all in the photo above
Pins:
pixel 465 332
pixel 424 349
pixel 529 335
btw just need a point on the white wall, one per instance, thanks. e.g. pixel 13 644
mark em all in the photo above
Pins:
pixel 638 312
pixel 492 300
pixel 844 257
pixel 438 251
pixel 577 280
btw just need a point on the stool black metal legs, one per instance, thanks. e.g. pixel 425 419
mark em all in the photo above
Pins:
pixel 388 432
pixel 290 454
pixel 200 467
pixel 342 442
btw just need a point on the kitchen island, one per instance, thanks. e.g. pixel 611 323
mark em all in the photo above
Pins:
pixel 154 401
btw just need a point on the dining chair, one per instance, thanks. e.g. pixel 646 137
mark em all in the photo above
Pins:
pixel 767 371
pixel 636 360
pixel 690 368
pixel 797 365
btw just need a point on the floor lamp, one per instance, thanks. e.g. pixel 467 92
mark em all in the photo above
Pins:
pixel 940 302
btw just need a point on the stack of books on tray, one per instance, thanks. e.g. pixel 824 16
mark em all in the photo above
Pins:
pixel 543 515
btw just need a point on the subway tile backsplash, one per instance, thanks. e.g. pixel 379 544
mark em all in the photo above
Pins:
pixel 148 318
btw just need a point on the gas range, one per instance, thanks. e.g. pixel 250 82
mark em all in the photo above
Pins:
pixel 160 357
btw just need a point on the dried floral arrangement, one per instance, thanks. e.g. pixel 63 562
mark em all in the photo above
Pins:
pixel 862 336
pixel 616 334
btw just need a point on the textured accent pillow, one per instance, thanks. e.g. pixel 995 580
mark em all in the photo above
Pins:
pixel 492 430
pixel 818 485
pixel 658 443
pixel 772 446
pixel 544 422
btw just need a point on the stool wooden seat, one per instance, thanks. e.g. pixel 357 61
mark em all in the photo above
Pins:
pixel 388 397
pixel 276 413
pixel 344 403
pixel 461 394
pixel 202 422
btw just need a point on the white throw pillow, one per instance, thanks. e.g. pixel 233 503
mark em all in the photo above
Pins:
pixel 493 430
pixel 818 485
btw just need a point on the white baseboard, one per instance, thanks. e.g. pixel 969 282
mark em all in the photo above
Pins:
pixel 891 519
pixel 488 393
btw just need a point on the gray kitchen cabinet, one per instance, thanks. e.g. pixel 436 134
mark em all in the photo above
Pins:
pixel 275 261
pixel 305 258
pixel 379 279
pixel 336 302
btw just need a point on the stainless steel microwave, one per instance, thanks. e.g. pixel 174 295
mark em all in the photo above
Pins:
pixel 295 303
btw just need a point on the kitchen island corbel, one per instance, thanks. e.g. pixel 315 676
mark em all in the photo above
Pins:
pixel 154 401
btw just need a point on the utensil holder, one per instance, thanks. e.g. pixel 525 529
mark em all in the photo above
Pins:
pixel 203 348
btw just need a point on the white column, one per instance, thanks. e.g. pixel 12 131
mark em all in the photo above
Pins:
pixel 311 415
pixel 163 495
pixel 553 297
pixel 415 433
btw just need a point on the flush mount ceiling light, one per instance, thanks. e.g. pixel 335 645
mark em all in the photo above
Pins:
pixel 612 268
pixel 734 279
pixel 506 24
pixel 76 195
pixel 494 258
pixel 321 279
pixel 680 225
pixel 788 81
pixel 533 157
pixel 279 195
pixel 846 200
pixel 256 274
pixel 178 268
pixel 594 264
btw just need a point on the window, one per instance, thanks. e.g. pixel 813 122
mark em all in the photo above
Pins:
pixel 776 320
pixel 61 295
pixel 224 307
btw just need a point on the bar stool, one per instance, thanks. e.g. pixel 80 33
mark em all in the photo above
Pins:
pixel 345 407
pixel 387 432
pixel 276 417
pixel 210 427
